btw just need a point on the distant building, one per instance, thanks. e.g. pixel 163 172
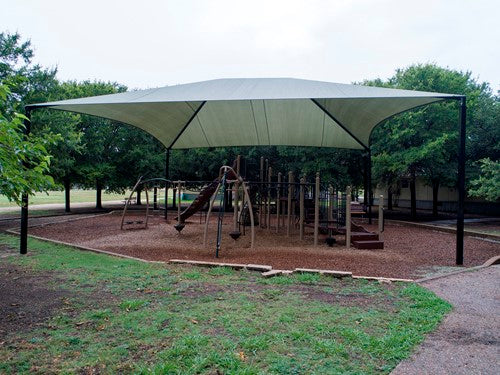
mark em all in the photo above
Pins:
pixel 447 199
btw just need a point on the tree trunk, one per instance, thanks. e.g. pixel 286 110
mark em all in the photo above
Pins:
pixel 389 198
pixel 67 189
pixel 413 194
pixel 435 190
pixel 98 190
pixel 138 202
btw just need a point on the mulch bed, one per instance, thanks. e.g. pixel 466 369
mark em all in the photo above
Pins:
pixel 408 252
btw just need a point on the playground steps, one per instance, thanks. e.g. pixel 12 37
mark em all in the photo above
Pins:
pixel 368 244
pixel 364 236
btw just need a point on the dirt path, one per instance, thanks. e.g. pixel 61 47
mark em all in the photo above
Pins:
pixel 468 341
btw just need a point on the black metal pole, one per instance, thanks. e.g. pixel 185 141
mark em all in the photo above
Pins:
pixel 167 175
pixel 155 198
pixel 23 245
pixel 461 182
pixel 369 186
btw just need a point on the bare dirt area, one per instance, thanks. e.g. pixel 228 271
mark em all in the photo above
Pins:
pixel 408 252
pixel 26 299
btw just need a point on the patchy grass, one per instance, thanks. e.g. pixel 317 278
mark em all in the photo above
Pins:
pixel 129 317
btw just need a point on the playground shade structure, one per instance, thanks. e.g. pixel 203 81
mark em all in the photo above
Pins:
pixel 255 112
pixel 261 112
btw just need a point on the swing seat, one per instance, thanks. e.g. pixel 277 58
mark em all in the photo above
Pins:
pixel 235 234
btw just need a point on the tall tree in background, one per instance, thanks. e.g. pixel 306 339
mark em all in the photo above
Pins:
pixel 28 82
pixel 24 161
pixel 424 142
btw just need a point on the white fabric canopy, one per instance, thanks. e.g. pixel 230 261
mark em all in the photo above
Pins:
pixel 255 112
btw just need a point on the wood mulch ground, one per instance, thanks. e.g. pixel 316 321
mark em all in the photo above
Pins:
pixel 409 252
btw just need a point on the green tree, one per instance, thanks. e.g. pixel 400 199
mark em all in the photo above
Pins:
pixel 487 184
pixel 423 142
pixel 28 82
pixel 24 161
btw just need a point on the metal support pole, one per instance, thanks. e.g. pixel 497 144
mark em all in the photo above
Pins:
pixel 461 183
pixel 23 247
pixel 289 204
pixel 155 198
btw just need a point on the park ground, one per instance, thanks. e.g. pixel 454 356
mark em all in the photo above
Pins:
pixel 64 310
pixel 409 252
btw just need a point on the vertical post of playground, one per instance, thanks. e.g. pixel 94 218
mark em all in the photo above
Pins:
pixel 261 179
pixel 236 192
pixel 301 207
pixel 369 186
pixel 268 210
pixel 380 217
pixel 316 210
pixel 167 176
pixel 348 217
pixel 179 204
pixel 461 182
pixel 289 204
pixel 330 209
pixel 278 202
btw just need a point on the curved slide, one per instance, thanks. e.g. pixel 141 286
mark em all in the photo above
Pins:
pixel 203 197
pixel 200 200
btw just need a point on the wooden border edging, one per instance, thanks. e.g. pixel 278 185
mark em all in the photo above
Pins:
pixel 251 267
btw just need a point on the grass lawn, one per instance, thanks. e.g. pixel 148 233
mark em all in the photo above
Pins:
pixel 111 315
pixel 78 195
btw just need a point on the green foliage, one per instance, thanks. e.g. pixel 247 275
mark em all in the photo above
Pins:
pixel 487 185
pixel 338 167
pixel 29 83
pixel 24 161
pixel 424 142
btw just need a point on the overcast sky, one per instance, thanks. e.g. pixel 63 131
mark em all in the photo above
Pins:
pixel 145 44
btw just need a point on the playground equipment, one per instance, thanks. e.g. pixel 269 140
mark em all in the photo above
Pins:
pixel 274 202
pixel 143 185
pixel 228 176
pixel 180 224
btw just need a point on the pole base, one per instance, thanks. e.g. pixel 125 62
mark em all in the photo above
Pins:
pixel 330 241
pixel 179 227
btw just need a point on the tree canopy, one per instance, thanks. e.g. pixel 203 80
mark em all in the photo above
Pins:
pixel 98 153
